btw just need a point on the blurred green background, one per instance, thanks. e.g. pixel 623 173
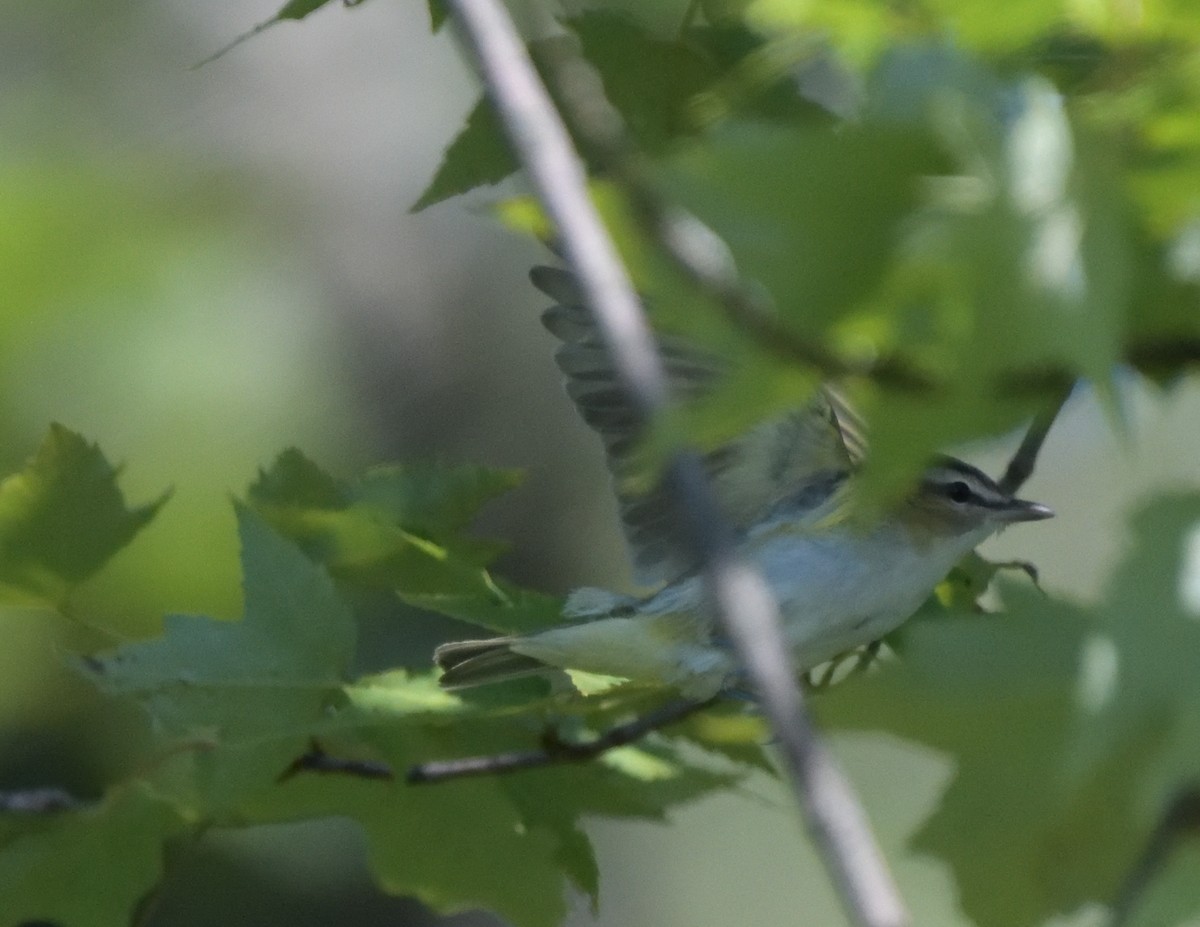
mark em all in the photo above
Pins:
pixel 201 267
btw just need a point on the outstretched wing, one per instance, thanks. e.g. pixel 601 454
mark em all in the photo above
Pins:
pixel 767 465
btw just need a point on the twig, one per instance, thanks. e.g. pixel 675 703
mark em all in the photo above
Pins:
pixel 743 601
pixel 316 760
pixel 1020 468
pixel 555 749
pixel 1181 816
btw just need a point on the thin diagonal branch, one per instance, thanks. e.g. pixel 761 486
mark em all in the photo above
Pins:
pixel 1020 468
pixel 556 750
pixel 743 601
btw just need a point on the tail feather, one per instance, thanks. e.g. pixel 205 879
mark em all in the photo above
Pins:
pixel 475 663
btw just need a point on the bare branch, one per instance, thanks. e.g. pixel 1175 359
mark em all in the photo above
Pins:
pixel 316 760
pixel 743 601
pixel 555 749
pixel 1020 468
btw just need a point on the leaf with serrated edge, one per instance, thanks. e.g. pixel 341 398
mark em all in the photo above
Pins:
pixel 270 674
pixel 62 518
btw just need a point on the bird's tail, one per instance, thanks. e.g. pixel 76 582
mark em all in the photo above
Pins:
pixel 475 663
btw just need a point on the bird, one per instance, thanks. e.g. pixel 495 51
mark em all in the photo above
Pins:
pixel 842 580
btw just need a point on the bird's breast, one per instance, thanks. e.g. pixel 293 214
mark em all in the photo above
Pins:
pixel 840 590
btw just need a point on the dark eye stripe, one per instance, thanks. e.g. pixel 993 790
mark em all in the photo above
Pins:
pixel 949 477
pixel 963 492
pixel 953 491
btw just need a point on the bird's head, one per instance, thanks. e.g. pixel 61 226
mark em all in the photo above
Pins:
pixel 954 499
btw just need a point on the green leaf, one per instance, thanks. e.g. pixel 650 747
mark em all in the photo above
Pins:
pixel 478 155
pixel 402 528
pixel 505 843
pixel 979 689
pixel 1093 712
pixel 795 205
pixel 861 30
pixel 1171 896
pixel 294 480
pixel 650 79
pixel 238 702
pixel 293 9
pixel 1163 320
pixel 972 577
pixel 437 15
pixel 298 9
pixel 507 610
pixel 438 500
pixel 732 732
pixel 456 846
pixel 1149 622
pixel 272 674
pixel 85 868
pixel 62 518
pixel 665 90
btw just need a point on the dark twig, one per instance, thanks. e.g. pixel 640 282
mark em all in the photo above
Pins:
pixel 1181 817
pixel 1020 468
pixel 743 602
pixel 316 760
pixel 555 749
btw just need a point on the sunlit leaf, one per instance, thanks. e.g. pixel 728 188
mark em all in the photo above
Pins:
pixel 396 527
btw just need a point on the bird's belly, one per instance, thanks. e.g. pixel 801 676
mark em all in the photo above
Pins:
pixel 837 593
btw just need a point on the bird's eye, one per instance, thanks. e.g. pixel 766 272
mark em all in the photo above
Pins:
pixel 958 491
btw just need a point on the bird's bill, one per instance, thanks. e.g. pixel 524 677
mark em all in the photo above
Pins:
pixel 1021 510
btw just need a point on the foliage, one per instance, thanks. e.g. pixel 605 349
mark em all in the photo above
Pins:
pixel 997 202
pixel 61 518
pixel 234 704
pixel 1093 709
